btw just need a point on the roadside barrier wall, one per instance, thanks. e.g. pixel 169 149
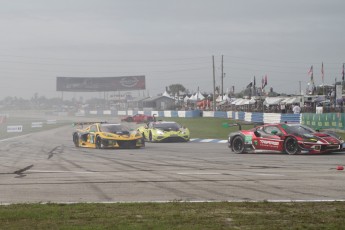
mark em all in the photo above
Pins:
pixel 243 116
pixel 324 121
pixel 316 121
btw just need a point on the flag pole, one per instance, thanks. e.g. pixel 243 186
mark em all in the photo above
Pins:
pixel 214 85
pixel 323 76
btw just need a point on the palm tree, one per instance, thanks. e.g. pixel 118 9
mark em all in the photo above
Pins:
pixel 175 89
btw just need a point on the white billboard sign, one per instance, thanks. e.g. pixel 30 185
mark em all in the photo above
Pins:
pixel 14 128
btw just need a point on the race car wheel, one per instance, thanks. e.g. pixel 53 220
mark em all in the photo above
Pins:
pixel 130 119
pixel 76 139
pixel 98 143
pixel 150 136
pixel 238 144
pixel 291 146
pixel 144 138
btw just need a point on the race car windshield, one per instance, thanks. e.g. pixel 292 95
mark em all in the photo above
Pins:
pixel 167 126
pixel 297 129
pixel 119 129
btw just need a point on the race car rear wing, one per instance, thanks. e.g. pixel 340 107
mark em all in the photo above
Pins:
pixel 226 125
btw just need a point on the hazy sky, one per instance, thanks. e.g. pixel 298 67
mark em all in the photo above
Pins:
pixel 169 42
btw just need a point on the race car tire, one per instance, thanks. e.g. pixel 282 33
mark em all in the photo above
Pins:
pixel 144 138
pixel 143 142
pixel 291 146
pixel 238 145
pixel 98 143
pixel 130 119
pixel 76 140
pixel 150 137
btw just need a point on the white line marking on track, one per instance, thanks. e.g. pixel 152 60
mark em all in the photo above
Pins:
pixel 196 173
pixel 47 171
pixel 230 173
pixel 8 139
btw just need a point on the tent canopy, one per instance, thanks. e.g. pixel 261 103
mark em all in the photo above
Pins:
pixel 272 101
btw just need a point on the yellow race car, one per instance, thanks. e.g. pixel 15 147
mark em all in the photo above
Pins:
pixel 106 135
pixel 164 131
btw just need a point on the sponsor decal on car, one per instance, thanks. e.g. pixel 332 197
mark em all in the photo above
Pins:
pixel 248 139
pixel 269 143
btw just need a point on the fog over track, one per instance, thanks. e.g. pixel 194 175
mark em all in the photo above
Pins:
pixel 46 167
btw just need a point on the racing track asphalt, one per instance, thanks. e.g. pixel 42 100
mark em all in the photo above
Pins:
pixel 46 167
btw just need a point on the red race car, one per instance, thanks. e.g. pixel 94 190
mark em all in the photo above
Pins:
pixel 138 118
pixel 285 138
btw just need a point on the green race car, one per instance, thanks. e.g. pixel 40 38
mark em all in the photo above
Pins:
pixel 164 131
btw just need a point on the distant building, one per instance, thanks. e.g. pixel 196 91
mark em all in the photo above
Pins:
pixel 159 103
pixel 136 103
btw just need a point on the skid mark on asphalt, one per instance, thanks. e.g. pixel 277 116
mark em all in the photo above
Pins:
pixel 57 149
pixel 100 193
pixel 172 179
pixel 20 172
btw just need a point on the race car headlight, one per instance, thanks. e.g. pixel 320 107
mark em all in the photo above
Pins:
pixel 159 132
pixel 310 140
pixel 183 131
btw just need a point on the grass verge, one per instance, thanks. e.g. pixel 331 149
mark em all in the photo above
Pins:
pixel 213 128
pixel 209 127
pixel 27 128
pixel 175 215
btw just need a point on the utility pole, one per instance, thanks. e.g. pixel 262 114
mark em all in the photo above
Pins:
pixel 222 77
pixel 214 86
pixel 300 88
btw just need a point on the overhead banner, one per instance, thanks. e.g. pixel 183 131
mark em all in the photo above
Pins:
pixel 100 84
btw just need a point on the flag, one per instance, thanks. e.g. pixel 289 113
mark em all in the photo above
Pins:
pixel 322 73
pixel 233 89
pixel 250 85
pixel 343 73
pixel 254 82
pixel 310 72
pixel 264 81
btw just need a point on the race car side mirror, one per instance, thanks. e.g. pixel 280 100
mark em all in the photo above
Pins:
pixel 257 133
pixel 274 132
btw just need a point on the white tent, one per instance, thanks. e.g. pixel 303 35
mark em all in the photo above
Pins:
pixel 249 102
pixel 200 96
pixel 236 100
pixel 290 100
pixel 272 101
pixel 226 97
pixel 197 97
pixel 241 101
pixel 219 98
pixel 166 94
pixel 185 99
